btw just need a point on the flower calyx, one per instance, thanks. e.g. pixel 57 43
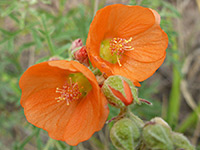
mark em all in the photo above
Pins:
pixel 120 91
pixel 125 134
pixel 156 134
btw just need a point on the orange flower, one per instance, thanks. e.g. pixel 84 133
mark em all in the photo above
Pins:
pixel 128 41
pixel 63 98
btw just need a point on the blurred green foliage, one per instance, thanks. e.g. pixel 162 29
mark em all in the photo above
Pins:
pixel 32 31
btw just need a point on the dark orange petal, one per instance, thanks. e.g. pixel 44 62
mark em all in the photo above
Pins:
pixel 118 94
pixel 126 100
pixel 129 96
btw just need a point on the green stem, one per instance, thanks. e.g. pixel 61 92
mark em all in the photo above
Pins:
pixel 62 7
pixel 96 4
pixel 47 36
pixel 59 147
pixel 49 144
pixel 38 140
pixel 189 121
pixel 71 147
pixel 37 130
pixel 96 71
pixel 174 99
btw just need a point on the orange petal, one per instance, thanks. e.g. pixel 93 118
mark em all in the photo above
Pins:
pixel 38 86
pixel 118 94
pixel 156 15
pixel 139 71
pixel 126 100
pixel 42 110
pixel 149 40
pixel 129 97
pixel 74 66
pixel 150 45
pixel 120 21
pixel 86 120
pixel 41 76
pixel 137 84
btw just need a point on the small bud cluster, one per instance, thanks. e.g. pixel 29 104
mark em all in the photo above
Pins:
pixel 79 53
pixel 76 43
pixel 130 133
pixel 82 56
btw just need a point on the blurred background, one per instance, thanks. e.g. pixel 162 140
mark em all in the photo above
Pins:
pixel 32 31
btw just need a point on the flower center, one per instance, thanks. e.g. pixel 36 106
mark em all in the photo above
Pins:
pixel 119 45
pixel 112 50
pixel 69 92
pixel 77 87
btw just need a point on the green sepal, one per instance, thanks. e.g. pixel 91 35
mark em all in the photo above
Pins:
pixel 116 82
pixel 125 134
pixel 157 137
pixel 181 142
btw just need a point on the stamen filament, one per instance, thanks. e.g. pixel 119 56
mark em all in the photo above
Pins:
pixel 118 60
pixel 118 46
pixel 69 92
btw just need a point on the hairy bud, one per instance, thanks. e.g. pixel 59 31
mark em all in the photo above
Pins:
pixel 181 142
pixel 54 58
pixel 82 56
pixel 125 134
pixel 157 136
pixel 76 44
pixel 119 91
pixel 136 120
pixel 160 121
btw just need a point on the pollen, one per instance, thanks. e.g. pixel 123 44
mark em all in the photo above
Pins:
pixel 69 92
pixel 119 45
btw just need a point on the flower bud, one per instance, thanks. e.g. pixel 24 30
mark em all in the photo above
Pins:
pixel 54 58
pixel 119 91
pixel 82 56
pixel 136 120
pixel 157 136
pixel 181 142
pixel 160 121
pixel 125 134
pixel 76 44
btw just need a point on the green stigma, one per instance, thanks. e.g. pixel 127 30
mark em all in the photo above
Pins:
pixel 82 81
pixel 112 50
pixel 76 87
pixel 106 52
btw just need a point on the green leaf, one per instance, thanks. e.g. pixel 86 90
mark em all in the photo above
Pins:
pixel 47 36
pixel 63 49
pixel 37 39
pixel 25 46
pixel 14 18
pixel 9 9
